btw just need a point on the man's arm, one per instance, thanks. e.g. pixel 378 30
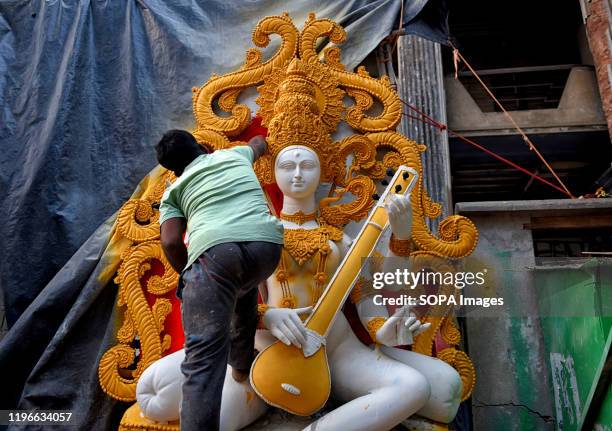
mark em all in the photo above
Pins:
pixel 172 242
pixel 259 146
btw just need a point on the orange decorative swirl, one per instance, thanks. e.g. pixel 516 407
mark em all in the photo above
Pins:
pixel 339 215
pixel 161 308
pixel 361 82
pixel 211 139
pixel 157 286
pixel 113 383
pixel 449 332
pixel 331 55
pixel 363 100
pixel 374 324
pixel 137 220
pixel 423 343
pixel 460 234
pixel 364 157
pixel 135 420
pixel 127 332
pixel 147 322
pixel 430 208
pixel 315 29
pixel 251 74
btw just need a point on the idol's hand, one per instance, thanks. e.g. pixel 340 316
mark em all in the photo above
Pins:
pixel 401 328
pixel 286 325
pixel 399 210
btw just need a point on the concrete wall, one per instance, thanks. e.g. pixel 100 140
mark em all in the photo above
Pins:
pixel 514 387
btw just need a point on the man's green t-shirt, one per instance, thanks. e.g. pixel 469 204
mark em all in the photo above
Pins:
pixel 221 198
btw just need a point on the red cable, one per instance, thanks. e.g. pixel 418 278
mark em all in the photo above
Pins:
pixel 514 165
pixel 432 122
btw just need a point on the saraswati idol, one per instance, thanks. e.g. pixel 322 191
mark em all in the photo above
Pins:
pixel 329 188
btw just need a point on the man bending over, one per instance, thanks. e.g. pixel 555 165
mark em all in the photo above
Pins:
pixel 234 243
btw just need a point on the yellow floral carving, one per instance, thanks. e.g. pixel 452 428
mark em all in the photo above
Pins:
pixel 137 222
pixel 161 308
pixel 303 244
pixel 374 324
pixel 158 286
pixel 361 289
pixel 127 332
pixel 360 83
pixel 449 332
pixel 299 217
pixel 287 301
pixel 251 74
pixel 400 247
pixel 458 234
pixel 133 421
pixel 315 87
pixel 261 310
pixel 339 215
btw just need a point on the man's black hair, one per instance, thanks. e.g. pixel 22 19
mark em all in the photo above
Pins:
pixel 176 149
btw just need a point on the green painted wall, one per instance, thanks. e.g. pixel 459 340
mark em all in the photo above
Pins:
pixel 576 308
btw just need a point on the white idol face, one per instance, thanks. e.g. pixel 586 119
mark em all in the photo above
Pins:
pixel 297 171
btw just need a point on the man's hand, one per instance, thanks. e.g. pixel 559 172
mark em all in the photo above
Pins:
pixel 172 231
pixel 286 325
pixel 259 146
pixel 401 328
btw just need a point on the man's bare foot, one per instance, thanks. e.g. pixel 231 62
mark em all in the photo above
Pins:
pixel 240 375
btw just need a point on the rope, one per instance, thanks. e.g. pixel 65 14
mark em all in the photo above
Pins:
pixel 456 62
pixel 516 126
pixel 426 119
pixel 399 28
pixel 401 21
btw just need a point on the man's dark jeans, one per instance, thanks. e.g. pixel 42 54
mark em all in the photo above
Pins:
pixel 220 320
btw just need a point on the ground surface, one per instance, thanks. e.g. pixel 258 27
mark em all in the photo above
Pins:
pixel 279 420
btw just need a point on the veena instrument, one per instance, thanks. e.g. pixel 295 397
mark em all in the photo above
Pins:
pixel 298 380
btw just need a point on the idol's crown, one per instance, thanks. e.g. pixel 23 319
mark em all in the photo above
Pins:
pixel 296 118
